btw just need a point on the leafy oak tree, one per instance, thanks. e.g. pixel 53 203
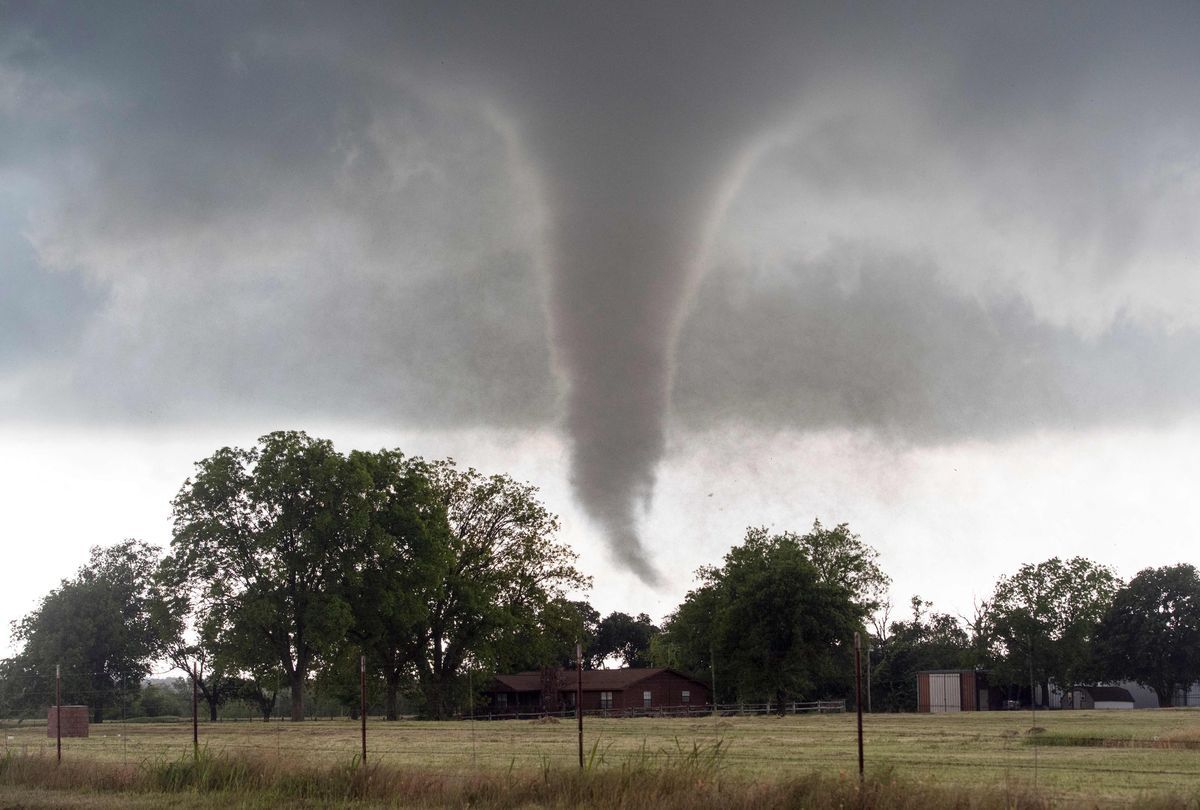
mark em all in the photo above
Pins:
pixel 499 570
pixel 1045 618
pixel 399 563
pixel 841 557
pixel 622 636
pixel 776 622
pixel 548 640
pixel 1151 631
pixel 265 535
pixel 100 626
pixel 196 640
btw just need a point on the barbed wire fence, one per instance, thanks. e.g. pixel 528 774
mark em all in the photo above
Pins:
pixel 828 745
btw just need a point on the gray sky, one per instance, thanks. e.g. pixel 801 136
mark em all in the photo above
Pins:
pixel 926 269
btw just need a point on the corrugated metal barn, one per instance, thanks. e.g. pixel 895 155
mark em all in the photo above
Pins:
pixel 952 690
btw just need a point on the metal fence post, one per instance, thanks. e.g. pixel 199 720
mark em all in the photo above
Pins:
pixel 195 715
pixel 362 711
pixel 58 709
pixel 858 700
pixel 579 696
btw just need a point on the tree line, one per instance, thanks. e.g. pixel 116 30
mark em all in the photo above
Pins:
pixel 1058 623
pixel 290 560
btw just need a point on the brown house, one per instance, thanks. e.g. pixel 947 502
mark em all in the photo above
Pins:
pixel 620 691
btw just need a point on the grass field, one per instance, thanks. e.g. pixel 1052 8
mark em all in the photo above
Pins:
pixel 1079 757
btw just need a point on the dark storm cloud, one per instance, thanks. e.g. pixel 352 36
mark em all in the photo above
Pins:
pixel 964 220
pixel 898 354
pixel 277 232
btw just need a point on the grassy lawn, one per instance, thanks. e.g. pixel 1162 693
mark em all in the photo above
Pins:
pixel 1084 755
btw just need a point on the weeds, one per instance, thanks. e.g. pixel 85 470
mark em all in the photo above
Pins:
pixel 686 777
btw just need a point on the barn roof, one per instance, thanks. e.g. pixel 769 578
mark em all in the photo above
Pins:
pixel 952 671
pixel 1116 694
pixel 606 680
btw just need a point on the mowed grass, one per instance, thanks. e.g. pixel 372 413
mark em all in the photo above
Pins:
pixel 1085 756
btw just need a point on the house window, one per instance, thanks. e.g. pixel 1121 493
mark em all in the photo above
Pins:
pixel 685 696
pixel 606 700
pixel 645 699
pixel 502 701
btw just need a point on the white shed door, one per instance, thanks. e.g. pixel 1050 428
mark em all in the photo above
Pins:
pixel 944 694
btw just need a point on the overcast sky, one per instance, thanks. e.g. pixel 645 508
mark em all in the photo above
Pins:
pixel 930 270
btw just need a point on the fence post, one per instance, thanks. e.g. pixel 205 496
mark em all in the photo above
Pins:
pixel 58 709
pixel 579 696
pixel 869 679
pixel 712 663
pixel 362 709
pixel 195 715
pixel 858 700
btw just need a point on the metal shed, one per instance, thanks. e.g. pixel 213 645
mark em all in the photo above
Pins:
pixel 952 690
pixel 1099 697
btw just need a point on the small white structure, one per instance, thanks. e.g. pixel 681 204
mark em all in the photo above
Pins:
pixel 1099 697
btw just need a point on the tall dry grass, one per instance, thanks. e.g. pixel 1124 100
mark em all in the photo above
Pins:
pixel 686 778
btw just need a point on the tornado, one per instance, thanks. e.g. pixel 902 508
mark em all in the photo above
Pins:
pixel 632 115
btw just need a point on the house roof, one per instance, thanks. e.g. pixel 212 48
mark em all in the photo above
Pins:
pixel 606 680
pixel 1116 694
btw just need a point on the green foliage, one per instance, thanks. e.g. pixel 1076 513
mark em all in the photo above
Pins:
pixel 400 560
pixel 622 636
pixel 928 640
pixel 1151 631
pixel 1045 618
pixel 99 626
pixel 588 624
pixel 778 616
pixel 296 558
pixel 265 535
pixel 208 653
pixel 499 575
pixel 548 640
pixel 158 698
pixel 841 557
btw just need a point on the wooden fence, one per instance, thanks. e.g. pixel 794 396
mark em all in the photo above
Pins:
pixel 721 709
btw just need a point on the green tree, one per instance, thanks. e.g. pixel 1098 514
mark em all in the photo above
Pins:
pixel 398 565
pixel 587 626
pixel 196 640
pixel 164 698
pixel 929 640
pixel 261 686
pixel 265 535
pixel 622 636
pixel 841 557
pixel 99 626
pixel 778 625
pixel 1151 631
pixel 499 570
pixel 1044 619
